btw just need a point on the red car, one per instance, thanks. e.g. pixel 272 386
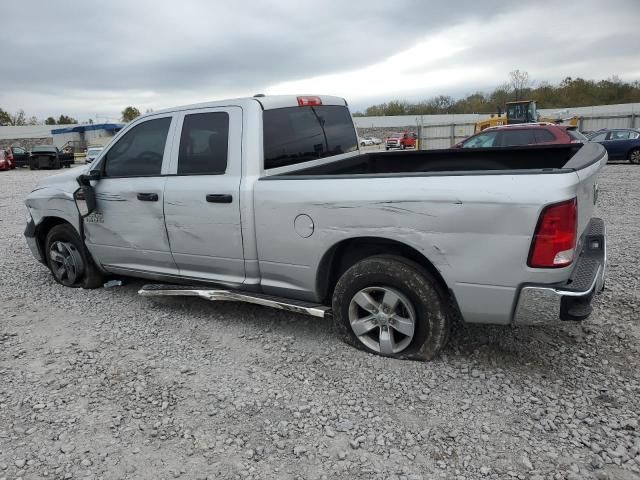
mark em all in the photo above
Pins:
pixel 400 140
pixel 523 134
pixel 5 161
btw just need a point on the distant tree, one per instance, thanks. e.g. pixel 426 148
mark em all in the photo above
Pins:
pixel 520 83
pixel 50 121
pixel 5 118
pixel 149 110
pixel 66 120
pixel 19 118
pixel 130 113
pixel 90 122
pixel 570 92
pixel 33 120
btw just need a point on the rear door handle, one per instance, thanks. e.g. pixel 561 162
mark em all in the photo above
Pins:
pixel 219 198
pixel 148 197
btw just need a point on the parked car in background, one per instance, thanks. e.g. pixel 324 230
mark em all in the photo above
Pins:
pixel 19 156
pixel 48 156
pixel 5 164
pixel 401 140
pixel 523 134
pixel 92 154
pixel 364 142
pixel 620 143
pixel 375 140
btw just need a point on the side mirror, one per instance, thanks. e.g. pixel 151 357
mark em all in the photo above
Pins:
pixel 84 180
pixel 85 198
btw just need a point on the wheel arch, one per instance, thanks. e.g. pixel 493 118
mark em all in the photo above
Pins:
pixel 631 149
pixel 45 226
pixel 347 252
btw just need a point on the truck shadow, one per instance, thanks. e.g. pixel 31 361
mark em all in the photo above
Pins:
pixel 488 346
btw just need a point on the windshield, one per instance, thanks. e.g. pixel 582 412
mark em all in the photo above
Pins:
pixel 576 135
pixel 94 151
pixel 44 149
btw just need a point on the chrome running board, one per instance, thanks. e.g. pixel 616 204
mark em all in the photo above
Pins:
pixel 216 294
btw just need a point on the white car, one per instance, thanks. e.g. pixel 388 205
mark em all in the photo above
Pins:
pixel 92 153
pixel 365 141
pixel 375 140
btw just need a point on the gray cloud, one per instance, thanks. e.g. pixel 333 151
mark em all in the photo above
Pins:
pixel 88 56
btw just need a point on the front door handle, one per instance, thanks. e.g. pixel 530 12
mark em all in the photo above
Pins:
pixel 148 197
pixel 219 198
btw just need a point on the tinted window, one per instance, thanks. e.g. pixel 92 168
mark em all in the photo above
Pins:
pixel 298 134
pixel 514 138
pixel 140 151
pixel 599 137
pixel 482 140
pixel 204 144
pixel 18 150
pixel 544 136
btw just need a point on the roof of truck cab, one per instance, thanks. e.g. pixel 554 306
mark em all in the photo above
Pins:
pixel 267 102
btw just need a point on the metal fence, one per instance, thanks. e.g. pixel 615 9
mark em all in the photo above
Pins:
pixel 446 135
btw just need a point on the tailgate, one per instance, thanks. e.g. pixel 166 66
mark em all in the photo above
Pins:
pixel 587 189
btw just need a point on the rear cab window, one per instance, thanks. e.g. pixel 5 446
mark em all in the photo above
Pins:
pixel 295 135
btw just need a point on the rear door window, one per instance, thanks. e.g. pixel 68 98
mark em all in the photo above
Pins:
pixel 204 144
pixel 299 134
pixel 544 136
pixel 514 138
pixel 619 135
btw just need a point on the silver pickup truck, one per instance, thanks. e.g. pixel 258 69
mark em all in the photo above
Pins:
pixel 268 200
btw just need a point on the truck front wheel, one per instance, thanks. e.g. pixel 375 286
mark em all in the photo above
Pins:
pixel 68 260
pixel 393 307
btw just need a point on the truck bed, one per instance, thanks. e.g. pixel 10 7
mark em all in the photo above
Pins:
pixel 526 159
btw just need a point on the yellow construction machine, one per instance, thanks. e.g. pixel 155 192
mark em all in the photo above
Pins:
pixel 523 111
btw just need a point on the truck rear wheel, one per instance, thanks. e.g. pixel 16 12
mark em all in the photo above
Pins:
pixel 68 259
pixel 391 306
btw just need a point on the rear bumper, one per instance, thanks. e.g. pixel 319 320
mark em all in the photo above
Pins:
pixel 571 300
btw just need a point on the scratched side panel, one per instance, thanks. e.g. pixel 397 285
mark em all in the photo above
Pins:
pixel 126 232
pixel 476 230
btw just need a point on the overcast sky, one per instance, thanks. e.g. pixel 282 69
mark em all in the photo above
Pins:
pixel 86 58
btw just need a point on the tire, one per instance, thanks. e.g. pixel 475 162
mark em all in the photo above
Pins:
pixel 68 259
pixel 421 303
pixel 32 166
pixel 634 156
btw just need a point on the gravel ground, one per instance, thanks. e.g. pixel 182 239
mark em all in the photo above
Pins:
pixel 104 384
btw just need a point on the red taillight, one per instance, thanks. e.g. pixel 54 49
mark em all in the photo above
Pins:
pixel 309 101
pixel 554 241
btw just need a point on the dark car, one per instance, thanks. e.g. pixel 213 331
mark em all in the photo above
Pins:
pixel 620 143
pixel 18 156
pixel 523 134
pixel 48 156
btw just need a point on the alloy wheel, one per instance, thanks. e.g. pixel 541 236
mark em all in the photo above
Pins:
pixel 383 319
